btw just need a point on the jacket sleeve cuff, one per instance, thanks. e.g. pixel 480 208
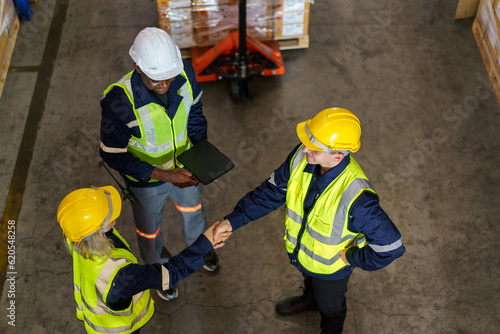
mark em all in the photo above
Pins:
pixel 349 255
pixel 203 243
pixel 234 220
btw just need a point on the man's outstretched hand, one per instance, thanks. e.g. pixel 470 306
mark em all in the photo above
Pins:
pixel 222 236
pixel 221 228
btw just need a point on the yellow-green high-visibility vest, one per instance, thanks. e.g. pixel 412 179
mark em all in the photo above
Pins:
pixel 93 279
pixel 325 231
pixel 162 139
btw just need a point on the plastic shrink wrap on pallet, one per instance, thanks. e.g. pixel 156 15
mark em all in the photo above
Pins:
pixel 206 22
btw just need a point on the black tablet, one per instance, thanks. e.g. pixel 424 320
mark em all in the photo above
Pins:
pixel 205 161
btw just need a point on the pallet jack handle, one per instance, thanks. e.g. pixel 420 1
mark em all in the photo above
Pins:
pixel 242 59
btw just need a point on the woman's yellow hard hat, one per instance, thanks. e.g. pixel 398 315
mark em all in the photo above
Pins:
pixel 84 211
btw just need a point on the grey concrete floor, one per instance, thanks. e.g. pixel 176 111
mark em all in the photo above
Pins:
pixel 430 120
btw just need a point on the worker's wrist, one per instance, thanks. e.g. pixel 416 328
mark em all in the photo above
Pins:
pixel 160 174
pixel 204 243
pixel 349 254
pixel 154 173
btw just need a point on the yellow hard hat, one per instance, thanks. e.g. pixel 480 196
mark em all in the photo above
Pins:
pixel 84 211
pixel 333 129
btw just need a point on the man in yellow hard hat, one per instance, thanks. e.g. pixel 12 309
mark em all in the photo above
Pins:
pixel 334 222
pixel 111 289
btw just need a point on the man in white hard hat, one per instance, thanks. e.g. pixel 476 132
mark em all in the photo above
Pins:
pixel 149 117
pixel 334 222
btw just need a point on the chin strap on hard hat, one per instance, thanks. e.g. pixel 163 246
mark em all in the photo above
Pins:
pixel 108 217
pixel 321 145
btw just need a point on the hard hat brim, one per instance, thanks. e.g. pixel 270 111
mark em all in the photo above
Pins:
pixel 304 138
pixel 172 72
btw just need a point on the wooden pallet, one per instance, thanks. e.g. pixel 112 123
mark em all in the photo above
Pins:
pixel 8 51
pixel 489 59
pixel 290 43
pixel 286 43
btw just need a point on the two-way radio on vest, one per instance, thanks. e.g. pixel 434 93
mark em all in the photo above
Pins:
pixel 127 193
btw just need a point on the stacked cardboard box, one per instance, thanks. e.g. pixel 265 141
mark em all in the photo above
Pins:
pixel 291 18
pixel 206 22
pixel 9 26
pixel 175 17
pixel 486 29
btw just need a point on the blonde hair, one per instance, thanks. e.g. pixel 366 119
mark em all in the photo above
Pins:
pixel 98 245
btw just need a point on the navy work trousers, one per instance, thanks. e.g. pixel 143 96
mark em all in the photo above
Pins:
pixel 330 301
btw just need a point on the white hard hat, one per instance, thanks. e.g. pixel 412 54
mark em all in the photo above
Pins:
pixel 156 54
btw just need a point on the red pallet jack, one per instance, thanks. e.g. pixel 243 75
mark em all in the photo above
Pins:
pixel 239 58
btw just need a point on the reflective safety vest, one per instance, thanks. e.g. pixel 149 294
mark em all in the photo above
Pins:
pixel 162 139
pixel 318 238
pixel 93 279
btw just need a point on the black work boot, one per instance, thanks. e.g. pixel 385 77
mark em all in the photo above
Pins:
pixel 297 304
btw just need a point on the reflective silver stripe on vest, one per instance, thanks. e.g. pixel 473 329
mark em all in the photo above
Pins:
pixel 180 137
pixel 102 308
pixel 121 329
pixel 387 248
pixel 105 273
pixel 294 216
pixel 166 166
pixel 77 289
pixel 338 222
pixel 291 239
pixel 311 254
pixel 125 80
pixel 156 149
pixel 318 258
pixel 297 159
pixel 149 130
pixel 186 98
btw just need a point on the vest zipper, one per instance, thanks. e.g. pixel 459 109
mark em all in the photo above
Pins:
pixel 299 237
pixel 174 140
pixel 303 226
